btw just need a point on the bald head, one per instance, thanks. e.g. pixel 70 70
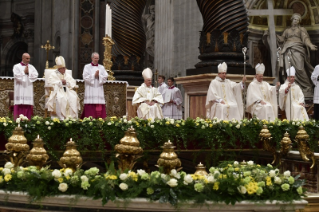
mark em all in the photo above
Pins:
pixel 26 58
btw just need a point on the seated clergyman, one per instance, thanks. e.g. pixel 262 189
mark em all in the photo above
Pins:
pixel 63 101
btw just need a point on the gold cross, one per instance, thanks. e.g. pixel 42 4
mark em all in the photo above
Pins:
pixel 47 47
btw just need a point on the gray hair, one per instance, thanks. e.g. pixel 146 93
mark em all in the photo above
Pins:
pixel 92 55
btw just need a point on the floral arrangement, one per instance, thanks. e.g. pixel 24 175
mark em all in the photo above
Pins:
pixel 103 134
pixel 230 182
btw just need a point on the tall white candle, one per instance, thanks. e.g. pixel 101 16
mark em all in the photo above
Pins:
pixel 108 21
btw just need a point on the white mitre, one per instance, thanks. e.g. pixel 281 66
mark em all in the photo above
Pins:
pixel 260 68
pixel 60 62
pixel 222 68
pixel 147 73
pixel 291 72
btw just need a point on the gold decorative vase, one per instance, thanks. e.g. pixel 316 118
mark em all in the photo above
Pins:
pixel 71 157
pixel 285 145
pixel 302 139
pixel 128 151
pixel 266 139
pixel 107 61
pixel 201 170
pixel 38 155
pixel 17 147
pixel 168 159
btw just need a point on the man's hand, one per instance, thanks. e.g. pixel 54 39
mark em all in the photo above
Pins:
pixel 313 47
pixel 26 70
pixel 244 79
pixel 97 74
pixel 63 82
pixel 277 85
pixel 262 102
pixel 302 104
pixel 222 102
pixel 289 85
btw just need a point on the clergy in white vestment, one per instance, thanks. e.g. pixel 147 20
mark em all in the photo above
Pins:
pixel 94 76
pixel 24 76
pixel 291 96
pixel 224 97
pixel 161 84
pixel 63 101
pixel 261 97
pixel 149 98
pixel 172 101
pixel 315 81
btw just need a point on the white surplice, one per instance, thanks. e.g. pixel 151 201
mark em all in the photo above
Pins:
pixel 298 112
pixel 143 94
pixel 23 84
pixel 64 103
pixel 94 92
pixel 172 110
pixel 231 93
pixel 258 91
pixel 162 87
pixel 315 81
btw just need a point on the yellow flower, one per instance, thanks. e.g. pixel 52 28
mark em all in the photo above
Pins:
pixel 8 177
pixel 113 177
pixel 177 125
pixel 268 181
pixel 1 179
pixel 12 170
pixel 194 176
pixel 285 120
pixel 236 169
pixel 197 124
pixel 251 187
pixel 226 122
pixel 100 119
pixel 80 120
pixel 67 177
pixel 244 125
pixel 216 186
pixel 210 125
pixel 10 121
pixel 167 122
pixel 1 168
pixel 133 175
pixel 149 119
pixel 60 180
pixel 258 165
pixel 62 170
pixel 56 120
pixel 224 176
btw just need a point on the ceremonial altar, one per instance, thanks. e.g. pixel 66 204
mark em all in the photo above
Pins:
pixel 114 92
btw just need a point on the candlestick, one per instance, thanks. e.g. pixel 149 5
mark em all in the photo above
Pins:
pixel 108 21
pixel 38 136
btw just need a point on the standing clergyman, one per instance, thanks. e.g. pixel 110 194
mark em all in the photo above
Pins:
pixel 172 101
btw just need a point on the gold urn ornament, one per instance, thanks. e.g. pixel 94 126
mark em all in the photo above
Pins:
pixel 302 139
pixel 268 145
pixel 71 157
pixel 168 159
pixel 17 147
pixel 129 150
pixel 285 145
pixel 201 169
pixel 38 155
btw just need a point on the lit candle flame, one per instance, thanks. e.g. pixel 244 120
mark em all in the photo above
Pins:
pixel 18 125
pixel 70 139
pixel 38 136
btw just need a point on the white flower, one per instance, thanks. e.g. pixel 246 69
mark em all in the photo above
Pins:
pixel 26 126
pixel 238 126
pixel 124 117
pixel 236 163
pixel 272 173
pixel 166 118
pixel 123 176
pixel 242 189
pixel 293 123
pixel 172 182
pixel 125 121
pixel 47 123
pixel 52 123
pixel 56 173
pixel 216 172
pixel 18 120
pixel 152 126
pixel 109 123
pixel 250 163
pixel 141 172
pixel 49 128
pixel 175 174
pixel 188 179
pixel 84 178
pixel 63 187
pixel 211 179
pixel 287 173
pixel 123 186
pixel 9 165
pixel 68 172
pixel 6 171
pixel 130 122
pixel 164 177
pixel 172 121
pixel 5 124
pixel 21 116
pixel 277 180
pixel 203 127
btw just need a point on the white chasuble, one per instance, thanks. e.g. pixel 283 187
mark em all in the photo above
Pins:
pixel 172 110
pixel 23 84
pixel 144 94
pixel 231 93
pixel 63 100
pixel 94 92
pixel 298 112
pixel 262 91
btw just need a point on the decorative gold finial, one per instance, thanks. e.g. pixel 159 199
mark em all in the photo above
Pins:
pixel 17 147
pixel 47 48
pixel 201 169
pixel 302 139
pixel 38 155
pixel 266 139
pixel 107 61
pixel 71 157
pixel 285 145
pixel 168 158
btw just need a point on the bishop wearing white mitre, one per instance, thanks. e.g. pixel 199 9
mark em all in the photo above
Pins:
pixel 148 97
pixel 224 97
pixel 261 97
pixel 291 96
pixel 63 101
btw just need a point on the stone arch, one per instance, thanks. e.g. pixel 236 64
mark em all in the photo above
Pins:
pixel 13 56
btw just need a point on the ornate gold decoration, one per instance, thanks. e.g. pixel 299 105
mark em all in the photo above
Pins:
pixel 265 137
pixel 201 169
pixel 86 38
pixel 285 145
pixel 168 158
pixel 71 157
pixel 107 62
pixel 302 139
pixel 38 155
pixel 129 150
pixel 47 48
pixel 17 147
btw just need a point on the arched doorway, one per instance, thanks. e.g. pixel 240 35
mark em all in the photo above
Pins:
pixel 14 56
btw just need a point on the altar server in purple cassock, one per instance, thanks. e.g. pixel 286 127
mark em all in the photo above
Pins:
pixel 94 76
pixel 172 101
pixel 315 80
pixel 24 76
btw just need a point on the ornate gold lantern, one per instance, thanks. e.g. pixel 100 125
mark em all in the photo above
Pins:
pixel 129 150
pixel 71 157
pixel 302 139
pixel 266 139
pixel 201 170
pixel 38 155
pixel 168 158
pixel 17 147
